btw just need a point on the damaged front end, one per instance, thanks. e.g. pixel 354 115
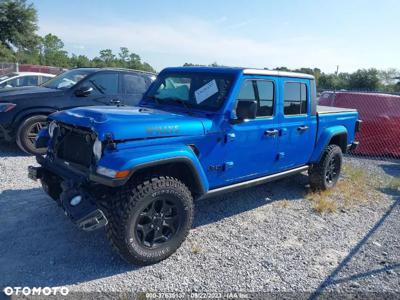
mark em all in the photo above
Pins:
pixel 66 170
pixel 74 197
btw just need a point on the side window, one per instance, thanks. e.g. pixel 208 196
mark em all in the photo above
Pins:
pixel 134 84
pixel 44 79
pixel 29 81
pixel 266 98
pixel 295 98
pixel 247 91
pixel 261 91
pixel 13 82
pixel 103 84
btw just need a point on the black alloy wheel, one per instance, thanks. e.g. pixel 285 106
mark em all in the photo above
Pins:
pixel 333 169
pixel 158 223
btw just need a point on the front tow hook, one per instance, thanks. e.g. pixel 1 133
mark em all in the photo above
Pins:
pixel 93 221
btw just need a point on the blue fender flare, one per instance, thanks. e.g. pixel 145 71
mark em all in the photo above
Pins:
pixel 136 159
pixel 324 139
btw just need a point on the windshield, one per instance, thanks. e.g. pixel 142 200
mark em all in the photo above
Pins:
pixel 191 90
pixel 67 79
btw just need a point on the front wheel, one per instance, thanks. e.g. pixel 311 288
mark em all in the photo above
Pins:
pixel 150 220
pixel 325 174
pixel 27 133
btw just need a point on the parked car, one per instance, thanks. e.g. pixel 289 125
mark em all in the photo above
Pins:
pixel 24 110
pixel 196 133
pixel 18 79
pixel 380 113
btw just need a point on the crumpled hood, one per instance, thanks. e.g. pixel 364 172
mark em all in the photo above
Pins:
pixel 27 92
pixel 129 122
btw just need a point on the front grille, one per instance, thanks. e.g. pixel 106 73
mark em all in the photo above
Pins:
pixel 75 146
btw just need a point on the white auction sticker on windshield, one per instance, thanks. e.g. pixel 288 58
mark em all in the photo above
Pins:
pixel 206 91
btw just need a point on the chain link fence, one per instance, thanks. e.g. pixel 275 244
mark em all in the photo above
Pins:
pixel 380 112
pixel 6 68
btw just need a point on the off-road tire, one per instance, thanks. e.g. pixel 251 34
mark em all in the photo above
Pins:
pixel 22 139
pixel 318 172
pixel 123 212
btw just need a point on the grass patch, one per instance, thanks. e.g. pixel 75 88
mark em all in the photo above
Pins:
pixel 353 188
pixel 322 201
pixel 324 205
pixel 196 249
pixel 284 203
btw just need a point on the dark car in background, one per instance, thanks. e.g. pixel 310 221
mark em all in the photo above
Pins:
pixel 380 113
pixel 24 110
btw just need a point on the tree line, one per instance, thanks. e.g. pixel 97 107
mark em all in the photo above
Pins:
pixel 360 80
pixel 19 42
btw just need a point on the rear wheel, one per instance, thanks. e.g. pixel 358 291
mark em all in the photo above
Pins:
pixel 326 172
pixel 150 220
pixel 27 133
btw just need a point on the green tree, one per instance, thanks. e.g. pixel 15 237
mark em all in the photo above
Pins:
pixel 124 57
pixel 365 80
pixel 6 54
pixel 52 51
pixel 78 61
pixel 107 57
pixel 18 25
pixel 284 69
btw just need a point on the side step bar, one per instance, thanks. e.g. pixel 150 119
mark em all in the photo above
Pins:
pixel 253 182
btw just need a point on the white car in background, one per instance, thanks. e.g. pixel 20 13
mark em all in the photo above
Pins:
pixel 18 79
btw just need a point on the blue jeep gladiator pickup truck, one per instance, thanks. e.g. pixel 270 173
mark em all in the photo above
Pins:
pixel 197 132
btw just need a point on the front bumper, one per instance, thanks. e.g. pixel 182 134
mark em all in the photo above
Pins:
pixel 85 213
pixel 66 172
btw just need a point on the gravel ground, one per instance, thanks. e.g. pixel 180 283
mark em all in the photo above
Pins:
pixel 263 239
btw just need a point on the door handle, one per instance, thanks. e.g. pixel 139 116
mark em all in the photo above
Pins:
pixel 302 128
pixel 115 101
pixel 271 132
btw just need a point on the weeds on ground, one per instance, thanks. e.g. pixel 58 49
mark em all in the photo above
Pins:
pixel 196 249
pixel 353 188
pixel 322 202
pixel 285 203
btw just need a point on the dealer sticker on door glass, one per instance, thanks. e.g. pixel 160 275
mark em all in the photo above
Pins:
pixel 206 91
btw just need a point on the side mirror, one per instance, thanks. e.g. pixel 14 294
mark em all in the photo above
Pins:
pixel 83 91
pixel 246 110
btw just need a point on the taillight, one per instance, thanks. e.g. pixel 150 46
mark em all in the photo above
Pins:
pixel 358 125
pixel 5 107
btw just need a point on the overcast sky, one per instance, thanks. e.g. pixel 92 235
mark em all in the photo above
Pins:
pixel 258 33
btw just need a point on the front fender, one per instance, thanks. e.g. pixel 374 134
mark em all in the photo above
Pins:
pixel 324 139
pixel 134 159
pixel 21 115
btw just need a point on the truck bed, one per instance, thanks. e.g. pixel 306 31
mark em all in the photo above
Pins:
pixel 331 109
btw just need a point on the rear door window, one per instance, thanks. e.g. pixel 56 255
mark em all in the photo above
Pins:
pixel 295 98
pixel 134 84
